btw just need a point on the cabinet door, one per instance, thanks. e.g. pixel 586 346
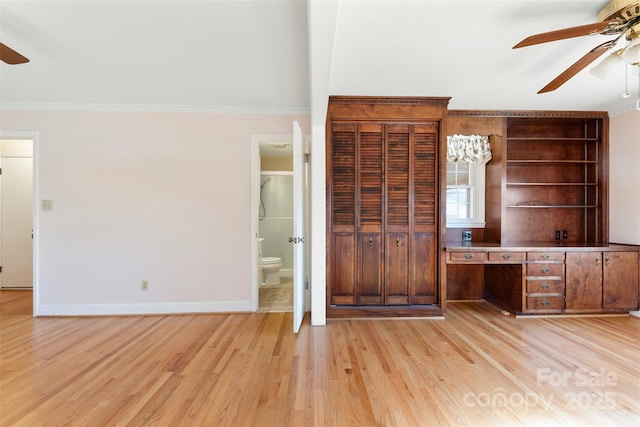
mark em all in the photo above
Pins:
pixel 583 280
pixel 620 280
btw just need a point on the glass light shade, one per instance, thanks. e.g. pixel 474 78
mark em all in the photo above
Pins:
pixel 607 65
pixel 631 53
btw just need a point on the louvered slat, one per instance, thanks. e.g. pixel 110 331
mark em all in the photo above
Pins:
pixel 344 178
pixel 371 177
pixel 398 178
pixel 425 175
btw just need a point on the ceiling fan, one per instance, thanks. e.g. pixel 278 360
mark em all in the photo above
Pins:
pixel 619 17
pixel 10 56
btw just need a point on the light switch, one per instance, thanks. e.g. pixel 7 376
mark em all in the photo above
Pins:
pixel 46 205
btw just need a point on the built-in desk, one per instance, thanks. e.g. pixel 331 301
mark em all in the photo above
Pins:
pixel 539 278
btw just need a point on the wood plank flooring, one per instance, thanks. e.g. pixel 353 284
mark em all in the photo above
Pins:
pixel 476 367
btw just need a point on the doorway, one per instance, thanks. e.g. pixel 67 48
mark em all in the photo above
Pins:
pixel 273 186
pixel 16 213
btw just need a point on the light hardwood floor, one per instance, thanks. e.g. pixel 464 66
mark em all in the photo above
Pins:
pixel 476 367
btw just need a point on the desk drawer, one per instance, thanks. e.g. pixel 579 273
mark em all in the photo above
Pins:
pixel 545 286
pixel 470 257
pixel 508 256
pixel 545 303
pixel 545 269
pixel 545 256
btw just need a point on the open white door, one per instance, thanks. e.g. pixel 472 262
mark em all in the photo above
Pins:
pixel 298 228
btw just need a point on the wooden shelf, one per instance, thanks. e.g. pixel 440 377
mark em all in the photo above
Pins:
pixel 551 162
pixel 553 184
pixel 552 206
pixel 551 139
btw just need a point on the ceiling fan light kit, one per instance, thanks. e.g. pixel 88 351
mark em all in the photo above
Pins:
pixel 620 18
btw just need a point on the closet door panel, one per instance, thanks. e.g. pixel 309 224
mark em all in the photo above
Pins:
pixel 343 273
pixel 343 174
pixel 397 269
pixel 424 269
pixel 397 175
pixel 425 175
pixel 371 277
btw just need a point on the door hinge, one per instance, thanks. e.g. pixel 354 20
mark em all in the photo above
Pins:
pixel 307 157
pixel 0 269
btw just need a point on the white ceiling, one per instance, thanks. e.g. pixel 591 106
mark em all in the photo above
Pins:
pixel 254 55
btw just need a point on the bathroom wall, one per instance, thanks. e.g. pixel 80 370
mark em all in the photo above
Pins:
pixel 276 217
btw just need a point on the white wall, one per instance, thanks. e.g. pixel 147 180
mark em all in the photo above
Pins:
pixel 163 197
pixel 624 178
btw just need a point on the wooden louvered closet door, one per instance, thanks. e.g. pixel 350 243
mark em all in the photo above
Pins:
pixel 370 212
pixel 411 192
pixel 342 257
pixel 383 206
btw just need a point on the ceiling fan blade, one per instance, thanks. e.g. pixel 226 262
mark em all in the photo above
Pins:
pixel 581 63
pixel 10 56
pixel 567 33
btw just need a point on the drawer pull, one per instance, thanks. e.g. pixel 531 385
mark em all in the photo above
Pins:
pixel 468 256
pixel 545 302
pixel 545 269
pixel 545 285
pixel 506 256
pixel 545 256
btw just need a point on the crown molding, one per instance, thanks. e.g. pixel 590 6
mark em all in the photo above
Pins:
pixel 157 108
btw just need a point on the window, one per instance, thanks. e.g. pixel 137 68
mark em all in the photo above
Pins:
pixel 466 180
pixel 465 195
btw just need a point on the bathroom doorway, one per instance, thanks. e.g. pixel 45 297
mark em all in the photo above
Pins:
pixel 274 244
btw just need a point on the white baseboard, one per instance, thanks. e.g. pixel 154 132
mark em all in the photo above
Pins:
pixel 143 309
pixel 635 313
pixel 286 272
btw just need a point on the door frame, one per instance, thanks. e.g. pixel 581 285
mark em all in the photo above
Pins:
pixel 33 136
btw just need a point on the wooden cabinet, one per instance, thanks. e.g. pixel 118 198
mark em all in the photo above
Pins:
pixel 601 281
pixel 383 202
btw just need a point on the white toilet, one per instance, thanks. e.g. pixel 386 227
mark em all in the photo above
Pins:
pixel 269 267
pixel 271 270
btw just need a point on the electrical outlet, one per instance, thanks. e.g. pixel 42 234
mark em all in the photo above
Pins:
pixel 557 234
pixel 145 285
pixel 565 235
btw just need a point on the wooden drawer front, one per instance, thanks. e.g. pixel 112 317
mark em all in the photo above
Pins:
pixel 506 256
pixel 545 287
pixel 545 256
pixel 471 257
pixel 545 303
pixel 545 269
